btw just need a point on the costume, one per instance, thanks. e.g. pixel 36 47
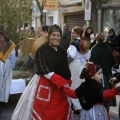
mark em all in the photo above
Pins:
pixel 91 94
pixel 76 60
pixel 7 63
pixel 50 102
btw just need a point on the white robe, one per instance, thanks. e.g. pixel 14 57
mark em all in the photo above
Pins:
pixel 6 76
pixel 76 67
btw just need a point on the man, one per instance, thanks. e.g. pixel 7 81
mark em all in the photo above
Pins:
pixel 30 64
pixel 66 37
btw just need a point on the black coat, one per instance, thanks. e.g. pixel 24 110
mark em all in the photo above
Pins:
pixel 89 93
pixel 49 60
pixel 101 55
pixel 114 42
pixel 65 40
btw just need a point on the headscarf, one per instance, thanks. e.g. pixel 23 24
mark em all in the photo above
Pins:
pixel 90 70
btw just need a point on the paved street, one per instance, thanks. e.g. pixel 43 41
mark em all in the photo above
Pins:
pixel 7 109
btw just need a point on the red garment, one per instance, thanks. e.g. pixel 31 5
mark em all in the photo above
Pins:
pixel 50 103
pixel 109 94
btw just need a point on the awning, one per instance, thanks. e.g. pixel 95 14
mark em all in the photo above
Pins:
pixel 70 9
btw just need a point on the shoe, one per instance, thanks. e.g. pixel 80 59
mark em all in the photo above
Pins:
pixel 77 112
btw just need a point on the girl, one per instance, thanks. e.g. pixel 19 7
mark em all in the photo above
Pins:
pixel 44 98
pixel 91 93
pixel 77 57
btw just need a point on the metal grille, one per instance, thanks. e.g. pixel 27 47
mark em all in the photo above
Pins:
pixel 75 20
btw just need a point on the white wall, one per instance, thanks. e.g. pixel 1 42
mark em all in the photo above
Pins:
pixel 52 17
pixel 55 17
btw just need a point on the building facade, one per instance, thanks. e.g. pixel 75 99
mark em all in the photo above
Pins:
pixel 69 11
pixel 111 16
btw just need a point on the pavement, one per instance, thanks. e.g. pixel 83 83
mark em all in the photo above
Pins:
pixel 114 110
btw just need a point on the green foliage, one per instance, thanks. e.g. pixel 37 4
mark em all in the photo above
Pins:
pixel 13 14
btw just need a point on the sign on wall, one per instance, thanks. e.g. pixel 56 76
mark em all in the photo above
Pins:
pixel 87 10
pixel 51 5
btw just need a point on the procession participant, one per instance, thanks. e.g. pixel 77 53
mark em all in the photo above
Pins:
pixel 101 55
pixel 78 54
pixel 44 96
pixel 7 63
pixel 30 64
pixel 91 93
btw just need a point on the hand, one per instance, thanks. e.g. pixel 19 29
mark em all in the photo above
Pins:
pixel 109 41
pixel 118 85
pixel 67 85
pixel 113 80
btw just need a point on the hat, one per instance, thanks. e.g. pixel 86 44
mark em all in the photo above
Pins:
pixel 84 45
pixel 89 70
pixel 54 28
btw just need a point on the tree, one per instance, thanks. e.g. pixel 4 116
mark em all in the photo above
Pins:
pixel 95 6
pixel 41 4
pixel 13 14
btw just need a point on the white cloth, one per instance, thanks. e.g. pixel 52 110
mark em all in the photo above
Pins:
pixel 6 77
pixel 17 86
pixel 23 109
pixel 76 67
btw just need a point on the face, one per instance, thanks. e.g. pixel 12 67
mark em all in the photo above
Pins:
pixel 98 76
pixel 2 40
pixel 110 33
pixel 89 30
pixel 55 39
pixel 42 33
pixel 65 27
pixel 73 35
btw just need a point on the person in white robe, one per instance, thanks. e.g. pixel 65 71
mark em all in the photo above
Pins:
pixel 78 54
pixel 7 63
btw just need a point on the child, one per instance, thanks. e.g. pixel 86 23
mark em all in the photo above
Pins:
pixel 91 93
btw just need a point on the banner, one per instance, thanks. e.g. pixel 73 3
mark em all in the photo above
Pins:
pixel 87 10
pixel 51 5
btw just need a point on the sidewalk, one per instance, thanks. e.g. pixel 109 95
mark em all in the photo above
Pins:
pixel 114 110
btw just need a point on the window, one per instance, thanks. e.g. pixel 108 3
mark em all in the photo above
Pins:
pixel 111 19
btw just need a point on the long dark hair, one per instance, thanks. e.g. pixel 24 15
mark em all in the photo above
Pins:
pixel 112 30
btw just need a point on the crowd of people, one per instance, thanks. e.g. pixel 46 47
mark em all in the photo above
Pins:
pixel 71 74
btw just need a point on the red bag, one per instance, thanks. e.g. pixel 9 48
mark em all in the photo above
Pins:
pixel 116 55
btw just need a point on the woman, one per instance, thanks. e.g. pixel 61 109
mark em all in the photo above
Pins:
pixel 90 35
pixel 77 57
pixel 113 42
pixel 7 63
pixel 49 101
